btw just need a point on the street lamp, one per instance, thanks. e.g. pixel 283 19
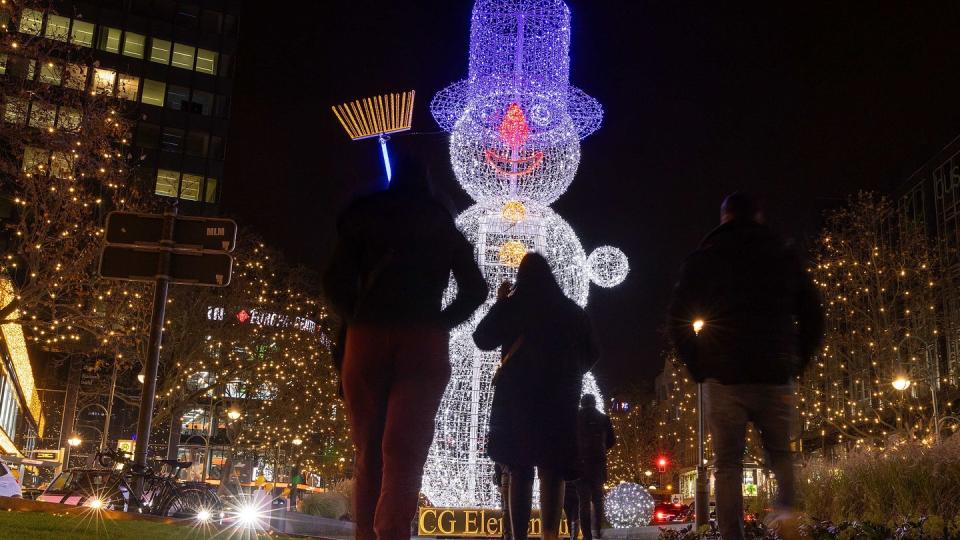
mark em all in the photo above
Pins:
pixel 74 441
pixel 297 441
pixel 902 382
pixel 702 492
pixel 233 414
pixel 648 474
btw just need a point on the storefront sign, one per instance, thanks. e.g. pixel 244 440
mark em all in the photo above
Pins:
pixel 474 523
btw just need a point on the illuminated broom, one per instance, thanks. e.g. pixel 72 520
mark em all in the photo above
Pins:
pixel 377 116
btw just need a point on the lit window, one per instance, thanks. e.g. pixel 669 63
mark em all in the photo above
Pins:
pixel 51 73
pixel 210 194
pixel 128 86
pixel 76 76
pixel 82 33
pixel 183 56
pixel 207 61
pixel 15 110
pixel 31 21
pixel 109 39
pixel 61 165
pixel 57 27
pixel 178 97
pixel 35 159
pixel 134 44
pixel 190 189
pixel 3 64
pixel 160 51
pixel 167 183
pixel 153 92
pixel 42 115
pixel 104 80
pixel 68 119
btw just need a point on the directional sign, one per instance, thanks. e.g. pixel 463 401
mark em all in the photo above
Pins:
pixel 196 232
pixel 188 267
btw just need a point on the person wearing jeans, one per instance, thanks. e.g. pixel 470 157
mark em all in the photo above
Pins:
pixel 394 256
pixel 728 408
pixel 746 319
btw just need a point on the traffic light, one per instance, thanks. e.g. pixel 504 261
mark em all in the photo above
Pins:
pixel 662 464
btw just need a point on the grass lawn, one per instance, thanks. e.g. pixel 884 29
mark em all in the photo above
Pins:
pixel 45 526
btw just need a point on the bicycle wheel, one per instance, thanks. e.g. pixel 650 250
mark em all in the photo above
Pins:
pixel 193 503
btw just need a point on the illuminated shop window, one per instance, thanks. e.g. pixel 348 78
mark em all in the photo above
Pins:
pixel 109 39
pixel 104 81
pixel 207 61
pixel 31 21
pixel 51 73
pixel 210 194
pixel 76 76
pixel 58 27
pixel 160 51
pixel 153 92
pixel 42 115
pixel 82 33
pixel 134 44
pixel 128 87
pixel 183 56
pixel 190 188
pixel 167 183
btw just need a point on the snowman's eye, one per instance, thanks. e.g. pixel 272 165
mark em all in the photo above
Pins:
pixel 540 115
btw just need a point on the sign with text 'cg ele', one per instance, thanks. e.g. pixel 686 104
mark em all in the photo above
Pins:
pixel 215 234
pixel 474 523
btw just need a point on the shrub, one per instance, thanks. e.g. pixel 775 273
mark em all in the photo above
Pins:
pixel 345 488
pixel 329 505
pixel 889 487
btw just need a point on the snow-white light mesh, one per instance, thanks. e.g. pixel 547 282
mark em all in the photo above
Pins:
pixel 629 505
pixel 608 266
pixel 516 125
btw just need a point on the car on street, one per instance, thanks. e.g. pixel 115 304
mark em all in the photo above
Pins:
pixel 9 484
pixel 666 512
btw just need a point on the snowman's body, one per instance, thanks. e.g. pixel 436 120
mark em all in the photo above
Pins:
pixel 515 148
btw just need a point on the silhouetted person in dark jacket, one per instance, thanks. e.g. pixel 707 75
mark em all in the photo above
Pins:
pixel 595 437
pixel 745 319
pixel 393 260
pixel 549 346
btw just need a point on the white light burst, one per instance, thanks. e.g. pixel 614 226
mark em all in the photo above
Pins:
pixel 629 505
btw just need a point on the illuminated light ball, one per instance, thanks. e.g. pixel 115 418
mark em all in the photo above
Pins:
pixel 608 266
pixel 512 252
pixel 629 505
pixel 514 211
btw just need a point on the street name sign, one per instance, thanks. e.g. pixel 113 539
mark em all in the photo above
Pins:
pixel 206 233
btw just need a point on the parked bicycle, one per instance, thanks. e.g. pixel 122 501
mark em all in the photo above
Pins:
pixel 111 488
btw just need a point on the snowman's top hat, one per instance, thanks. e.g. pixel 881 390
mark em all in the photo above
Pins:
pixel 519 52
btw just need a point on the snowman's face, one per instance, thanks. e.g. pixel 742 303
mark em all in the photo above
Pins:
pixel 506 148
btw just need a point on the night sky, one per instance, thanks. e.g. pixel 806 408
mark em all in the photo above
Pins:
pixel 802 105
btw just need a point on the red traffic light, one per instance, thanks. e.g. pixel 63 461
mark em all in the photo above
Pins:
pixel 662 464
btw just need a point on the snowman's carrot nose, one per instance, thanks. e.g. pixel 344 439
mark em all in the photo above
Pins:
pixel 514 130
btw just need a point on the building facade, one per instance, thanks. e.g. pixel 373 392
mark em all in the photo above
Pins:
pixel 171 64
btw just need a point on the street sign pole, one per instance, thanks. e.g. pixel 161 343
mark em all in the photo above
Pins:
pixel 702 493
pixel 149 390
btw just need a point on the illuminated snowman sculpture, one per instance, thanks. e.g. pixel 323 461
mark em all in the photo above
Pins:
pixel 515 125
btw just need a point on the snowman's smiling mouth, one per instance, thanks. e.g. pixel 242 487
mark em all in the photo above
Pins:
pixel 514 167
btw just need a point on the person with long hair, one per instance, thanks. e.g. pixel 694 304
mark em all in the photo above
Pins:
pixel 547 345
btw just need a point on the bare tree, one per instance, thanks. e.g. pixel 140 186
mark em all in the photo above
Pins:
pixel 880 283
